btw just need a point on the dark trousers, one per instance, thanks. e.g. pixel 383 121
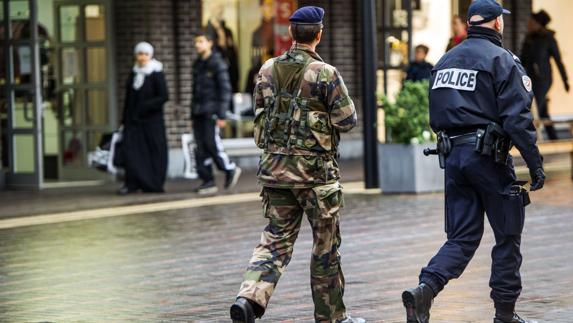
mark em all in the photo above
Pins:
pixel 540 90
pixel 209 149
pixel 475 184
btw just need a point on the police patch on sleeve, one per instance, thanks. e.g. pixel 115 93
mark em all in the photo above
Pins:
pixel 456 78
pixel 527 83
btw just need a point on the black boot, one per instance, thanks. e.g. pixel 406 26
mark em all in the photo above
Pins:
pixel 505 313
pixel 418 302
pixel 514 319
pixel 242 311
pixel 208 187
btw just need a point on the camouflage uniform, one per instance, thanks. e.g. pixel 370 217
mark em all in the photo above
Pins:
pixel 300 108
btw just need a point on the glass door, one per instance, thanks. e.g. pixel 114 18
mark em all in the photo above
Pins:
pixel 20 98
pixel 394 41
pixel 83 83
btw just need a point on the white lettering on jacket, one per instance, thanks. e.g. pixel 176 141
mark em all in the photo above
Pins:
pixel 456 78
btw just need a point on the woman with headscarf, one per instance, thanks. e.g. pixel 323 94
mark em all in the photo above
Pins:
pixel 538 48
pixel 144 139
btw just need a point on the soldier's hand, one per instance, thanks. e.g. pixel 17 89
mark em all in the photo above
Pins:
pixel 537 179
pixel 221 123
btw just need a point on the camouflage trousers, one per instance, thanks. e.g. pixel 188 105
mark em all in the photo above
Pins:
pixel 285 209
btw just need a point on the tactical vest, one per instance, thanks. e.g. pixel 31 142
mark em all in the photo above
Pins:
pixel 289 123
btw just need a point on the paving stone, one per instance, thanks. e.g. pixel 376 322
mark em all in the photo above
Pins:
pixel 187 265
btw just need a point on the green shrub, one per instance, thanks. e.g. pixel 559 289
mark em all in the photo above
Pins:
pixel 407 120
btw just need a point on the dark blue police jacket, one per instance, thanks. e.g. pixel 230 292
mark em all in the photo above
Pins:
pixel 479 82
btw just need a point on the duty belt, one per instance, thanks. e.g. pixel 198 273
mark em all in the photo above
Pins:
pixel 468 138
pixel 491 141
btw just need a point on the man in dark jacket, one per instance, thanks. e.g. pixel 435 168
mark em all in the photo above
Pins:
pixel 538 48
pixel 212 95
pixel 419 69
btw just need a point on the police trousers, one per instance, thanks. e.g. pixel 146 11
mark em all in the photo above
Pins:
pixel 474 184
pixel 284 209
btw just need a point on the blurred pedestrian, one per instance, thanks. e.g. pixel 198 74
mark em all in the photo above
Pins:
pixel 144 138
pixel 420 69
pixel 459 30
pixel 212 95
pixel 480 99
pixel 539 47
pixel 301 106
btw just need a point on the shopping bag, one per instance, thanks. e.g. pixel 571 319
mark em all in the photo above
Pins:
pixel 189 161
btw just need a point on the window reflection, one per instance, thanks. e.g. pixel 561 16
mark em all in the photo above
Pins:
pixel 95 22
pixel 97 108
pixel 69 23
pixel 96 64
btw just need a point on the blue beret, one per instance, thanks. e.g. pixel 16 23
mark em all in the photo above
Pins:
pixel 307 15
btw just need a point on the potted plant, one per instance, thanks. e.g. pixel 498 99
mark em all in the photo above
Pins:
pixel 403 167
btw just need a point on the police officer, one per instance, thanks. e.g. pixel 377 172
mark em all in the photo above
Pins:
pixel 473 86
pixel 301 105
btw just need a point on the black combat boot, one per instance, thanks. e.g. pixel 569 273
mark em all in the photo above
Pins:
pixel 418 302
pixel 505 313
pixel 514 319
pixel 242 311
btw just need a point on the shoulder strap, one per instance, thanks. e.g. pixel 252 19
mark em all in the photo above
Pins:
pixel 297 89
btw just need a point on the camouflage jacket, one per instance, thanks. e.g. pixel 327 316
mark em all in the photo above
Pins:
pixel 311 161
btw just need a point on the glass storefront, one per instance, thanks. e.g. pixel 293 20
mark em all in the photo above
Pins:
pixel 247 33
pixel 55 80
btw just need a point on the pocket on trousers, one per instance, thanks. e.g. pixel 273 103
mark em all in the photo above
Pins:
pixel 329 200
pixel 513 214
pixel 265 200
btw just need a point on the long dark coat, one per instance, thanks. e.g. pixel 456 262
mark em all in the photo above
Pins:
pixel 145 141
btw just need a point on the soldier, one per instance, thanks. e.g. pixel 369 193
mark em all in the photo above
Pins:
pixel 301 106
pixel 480 101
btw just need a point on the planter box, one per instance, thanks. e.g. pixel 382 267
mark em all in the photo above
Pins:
pixel 405 169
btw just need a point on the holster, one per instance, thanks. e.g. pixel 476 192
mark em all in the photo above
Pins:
pixel 443 148
pixel 518 189
pixel 493 141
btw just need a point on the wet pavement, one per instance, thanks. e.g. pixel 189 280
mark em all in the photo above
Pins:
pixel 15 204
pixel 186 265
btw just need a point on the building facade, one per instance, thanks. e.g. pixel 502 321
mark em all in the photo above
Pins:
pixel 64 64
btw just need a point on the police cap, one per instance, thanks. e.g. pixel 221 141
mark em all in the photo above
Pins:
pixel 488 9
pixel 309 15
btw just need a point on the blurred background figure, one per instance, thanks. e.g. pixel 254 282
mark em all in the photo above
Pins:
pixel 144 138
pixel 212 93
pixel 223 41
pixel 460 32
pixel 420 69
pixel 538 48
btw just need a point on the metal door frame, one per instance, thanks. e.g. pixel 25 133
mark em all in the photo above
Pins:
pixel 108 86
pixel 28 180
pixel 384 58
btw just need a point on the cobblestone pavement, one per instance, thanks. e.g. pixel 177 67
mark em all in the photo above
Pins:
pixel 186 265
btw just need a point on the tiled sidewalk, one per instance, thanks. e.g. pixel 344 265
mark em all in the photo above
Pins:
pixel 186 265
